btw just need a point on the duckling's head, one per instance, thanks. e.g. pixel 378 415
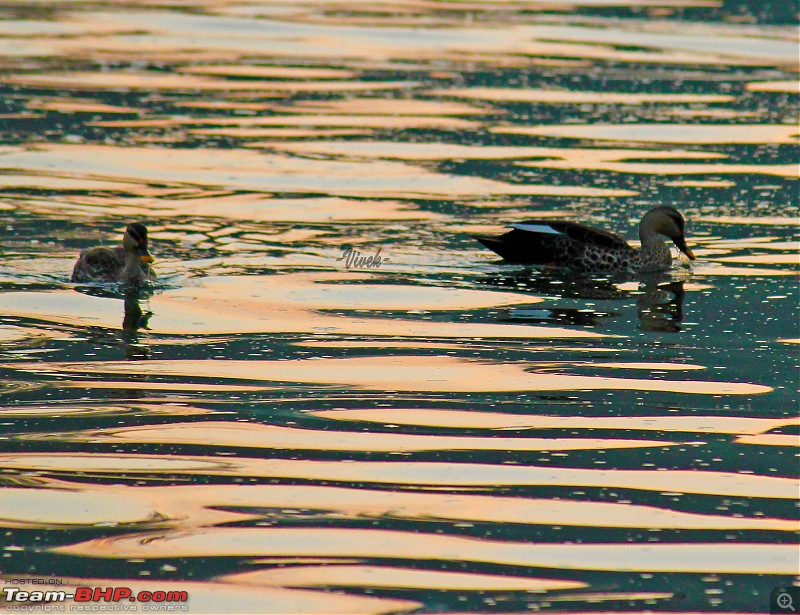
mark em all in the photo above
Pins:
pixel 669 222
pixel 135 241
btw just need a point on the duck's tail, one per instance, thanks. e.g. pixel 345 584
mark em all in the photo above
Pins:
pixel 533 251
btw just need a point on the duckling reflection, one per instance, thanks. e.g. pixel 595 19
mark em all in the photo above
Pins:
pixel 134 319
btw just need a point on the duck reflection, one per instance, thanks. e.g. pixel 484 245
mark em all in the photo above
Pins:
pixel 134 320
pixel 554 282
pixel 660 306
pixel 659 298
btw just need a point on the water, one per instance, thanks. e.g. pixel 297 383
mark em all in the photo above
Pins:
pixel 272 431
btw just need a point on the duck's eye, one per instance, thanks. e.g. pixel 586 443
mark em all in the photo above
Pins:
pixel 138 234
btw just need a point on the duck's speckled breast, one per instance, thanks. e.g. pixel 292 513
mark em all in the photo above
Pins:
pixel 654 258
pixel 599 258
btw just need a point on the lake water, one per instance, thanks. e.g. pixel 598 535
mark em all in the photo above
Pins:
pixel 273 430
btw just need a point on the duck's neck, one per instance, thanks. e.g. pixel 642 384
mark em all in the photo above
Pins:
pixel 132 272
pixel 655 254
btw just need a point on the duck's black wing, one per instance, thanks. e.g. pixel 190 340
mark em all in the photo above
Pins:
pixel 577 232
pixel 550 241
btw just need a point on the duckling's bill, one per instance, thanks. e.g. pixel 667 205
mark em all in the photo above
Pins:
pixel 144 255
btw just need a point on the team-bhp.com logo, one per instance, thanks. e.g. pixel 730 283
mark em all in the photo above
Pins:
pixel 88 598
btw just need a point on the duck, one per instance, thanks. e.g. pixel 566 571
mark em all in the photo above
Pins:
pixel 583 248
pixel 128 263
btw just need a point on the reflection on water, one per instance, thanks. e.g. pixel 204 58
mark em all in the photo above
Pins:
pixel 134 320
pixel 271 431
pixel 659 298
pixel 660 308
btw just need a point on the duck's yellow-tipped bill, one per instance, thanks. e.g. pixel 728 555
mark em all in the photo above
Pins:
pixel 146 258
pixel 680 243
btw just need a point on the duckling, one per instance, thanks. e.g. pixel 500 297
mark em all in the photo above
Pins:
pixel 583 248
pixel 128 263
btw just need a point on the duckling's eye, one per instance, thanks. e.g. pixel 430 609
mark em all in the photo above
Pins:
pixel 139 237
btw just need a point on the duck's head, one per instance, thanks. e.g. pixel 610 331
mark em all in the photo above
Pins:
pixel 135 241
pixel 669 222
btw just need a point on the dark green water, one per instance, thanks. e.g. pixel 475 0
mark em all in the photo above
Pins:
pixel 274 432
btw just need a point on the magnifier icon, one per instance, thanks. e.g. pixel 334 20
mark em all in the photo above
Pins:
pixel 784 601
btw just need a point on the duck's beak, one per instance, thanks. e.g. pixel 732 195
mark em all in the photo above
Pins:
pixel 680 242
pixel 145 255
